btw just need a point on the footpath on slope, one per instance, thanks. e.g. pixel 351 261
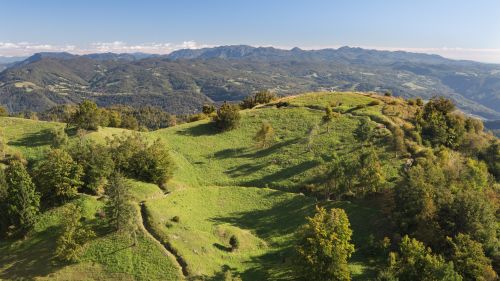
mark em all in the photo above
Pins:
pixel 167 247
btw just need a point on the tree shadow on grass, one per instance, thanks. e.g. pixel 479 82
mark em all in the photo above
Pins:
pixel 222 247
pixel 243 152
pixel 283 174
pixel 30 260
pixel 281 219
pixel 39 138
pixel 205 129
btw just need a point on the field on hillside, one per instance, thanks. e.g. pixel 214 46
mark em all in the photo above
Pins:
pixel 223 185
pixel 206 157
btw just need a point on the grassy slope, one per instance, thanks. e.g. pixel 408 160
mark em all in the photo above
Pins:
pixel 108 257
pixel 209 202
pixel 206 157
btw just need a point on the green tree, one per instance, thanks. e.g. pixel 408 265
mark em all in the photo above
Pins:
pixel 119 210
pixel 370 174
pixel 59 138
pixel 96 162
pixel 334 177
pixel 74 234
pixel 23 202
pixel 324 246
pixel 208 109
pixel 3 111
pixel 153 164
pixel 469 259
pixel 58 176
pixel 228 117
pixel 265 136
pixel 87 116
pixel 417 262
pixel 4 216
pixel 492 158
pixel 364 131
pixel 439 125
pixel 328 117
pixel 398 138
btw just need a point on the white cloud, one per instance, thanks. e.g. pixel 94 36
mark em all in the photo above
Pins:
pixel 27 48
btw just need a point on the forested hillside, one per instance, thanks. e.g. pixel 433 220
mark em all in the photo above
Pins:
pixel 354 185
pixel 184 80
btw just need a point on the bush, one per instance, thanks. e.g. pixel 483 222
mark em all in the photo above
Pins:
pixel 228 117
pixel 374 102
pixel 234 242
pixel 388 94
pixel 176 219
pixel 411 102
pixel 208 109
pixel 419 102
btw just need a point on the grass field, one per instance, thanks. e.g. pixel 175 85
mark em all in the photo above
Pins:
pixel 223 185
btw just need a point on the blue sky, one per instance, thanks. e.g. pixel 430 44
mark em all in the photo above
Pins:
pixel 459 28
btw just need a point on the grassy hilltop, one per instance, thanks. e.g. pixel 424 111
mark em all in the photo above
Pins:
pixel 223 185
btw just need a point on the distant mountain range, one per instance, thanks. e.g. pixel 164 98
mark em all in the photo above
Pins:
pixel 185 79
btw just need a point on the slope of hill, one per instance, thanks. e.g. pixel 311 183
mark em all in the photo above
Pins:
pixel 185 79
pixel 224 185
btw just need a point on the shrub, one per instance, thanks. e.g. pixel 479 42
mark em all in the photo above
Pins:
pixel 374 102
pixel 234 242
pixel 208 109
pixel 388 94
pixel 419 102
pixel 228 117
pixel 176 219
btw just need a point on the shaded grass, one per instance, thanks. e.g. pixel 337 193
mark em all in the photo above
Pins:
pixel 264 220
pixel 109 256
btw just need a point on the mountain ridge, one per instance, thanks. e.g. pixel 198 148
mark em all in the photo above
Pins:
pixel 183 80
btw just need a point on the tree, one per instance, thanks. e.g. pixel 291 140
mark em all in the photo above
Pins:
pixel 364 130
pixel 59 138
pixel 234 242
pixel 438 125
pixel 58 176
pixel 228 117
pixel 328 117
pixel 96 162
pixel 87 116
pixel 469 259
pixel 208 109
pixel 265 136
pixel 334 177
pixel 417 262
pixel 324 246
pixel 73 236
pixel 153 164
pixel 3 111
pixel 120 212
pixel 398 139
pixel 4 216
pixel 371 176
pixel 23 202
pixel 492 158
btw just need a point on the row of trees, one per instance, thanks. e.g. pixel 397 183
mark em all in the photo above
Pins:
pixel 87 115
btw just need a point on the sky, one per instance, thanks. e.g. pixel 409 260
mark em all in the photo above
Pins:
pixel 460 29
